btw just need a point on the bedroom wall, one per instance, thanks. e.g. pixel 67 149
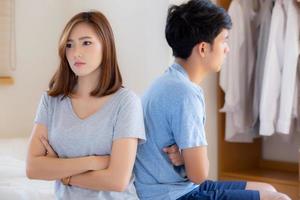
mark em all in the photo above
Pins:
pixel 142 51
pixel 37 32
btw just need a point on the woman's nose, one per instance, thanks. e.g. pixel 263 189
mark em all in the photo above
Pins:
pixel 77 52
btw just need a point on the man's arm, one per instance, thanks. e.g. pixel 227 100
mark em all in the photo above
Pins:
pixel 197 171
pixel 196 163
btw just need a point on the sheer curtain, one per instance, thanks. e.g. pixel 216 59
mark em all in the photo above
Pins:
pixel 7 37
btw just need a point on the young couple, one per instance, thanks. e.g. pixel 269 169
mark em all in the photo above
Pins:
pixel 90 132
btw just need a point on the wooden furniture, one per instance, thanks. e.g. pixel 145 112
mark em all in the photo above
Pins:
pixel 240 161
pixel 6 81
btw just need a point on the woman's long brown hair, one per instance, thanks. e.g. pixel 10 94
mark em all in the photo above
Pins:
pixel 64 80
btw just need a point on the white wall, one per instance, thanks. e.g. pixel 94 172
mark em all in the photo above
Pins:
pixel 210 90
pixel 37 32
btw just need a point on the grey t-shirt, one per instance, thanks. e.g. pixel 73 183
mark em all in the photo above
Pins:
pixel 120 117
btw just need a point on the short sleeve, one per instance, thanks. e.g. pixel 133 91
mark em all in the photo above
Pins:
pixel 130 120
pixel 42 113
pixel 187 122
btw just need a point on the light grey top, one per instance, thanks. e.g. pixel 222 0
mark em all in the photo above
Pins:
pixel 120 117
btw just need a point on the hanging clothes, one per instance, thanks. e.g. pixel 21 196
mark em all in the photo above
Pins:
pixel 295 112
pixel 296 108
pixel 262 26
pixel 273 36
pixel 295 124
pixel 236 74
pixel 289 73
pixel 279 77
pixel 273 67
pixel 230 71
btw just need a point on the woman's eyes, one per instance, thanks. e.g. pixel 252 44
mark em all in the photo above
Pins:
pixel 84 43
pixel 69 45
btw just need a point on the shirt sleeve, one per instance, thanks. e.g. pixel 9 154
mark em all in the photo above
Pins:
pixel 271 82
pixel 130 120
pixel 234 61
pixel 289 71
pixel 187 122
pixel 42 113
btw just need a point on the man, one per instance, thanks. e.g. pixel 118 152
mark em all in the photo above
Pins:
pixel 174 112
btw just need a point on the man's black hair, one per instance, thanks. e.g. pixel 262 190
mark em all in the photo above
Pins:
pixel 193 22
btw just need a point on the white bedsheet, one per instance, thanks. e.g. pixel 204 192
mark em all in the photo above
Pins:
pixel 14 185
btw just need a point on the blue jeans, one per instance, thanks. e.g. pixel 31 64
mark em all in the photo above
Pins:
pixel 221 190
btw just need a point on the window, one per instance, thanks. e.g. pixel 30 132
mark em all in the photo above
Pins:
pixel 7 37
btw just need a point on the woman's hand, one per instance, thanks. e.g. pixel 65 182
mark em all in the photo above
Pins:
pixel 174 155
pixel 49 150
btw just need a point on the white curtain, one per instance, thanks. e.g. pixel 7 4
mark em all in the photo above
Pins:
pixel 7 37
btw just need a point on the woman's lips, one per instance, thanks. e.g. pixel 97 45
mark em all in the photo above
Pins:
pixel 79 64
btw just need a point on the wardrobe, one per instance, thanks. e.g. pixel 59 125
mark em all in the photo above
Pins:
pixel 244 161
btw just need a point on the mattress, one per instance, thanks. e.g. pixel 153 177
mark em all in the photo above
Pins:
pixel 14 185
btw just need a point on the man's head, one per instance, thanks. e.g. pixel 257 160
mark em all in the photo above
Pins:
pixel 198 30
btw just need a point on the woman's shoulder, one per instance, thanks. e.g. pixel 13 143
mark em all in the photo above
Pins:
pixel 51 100
pixel 126 95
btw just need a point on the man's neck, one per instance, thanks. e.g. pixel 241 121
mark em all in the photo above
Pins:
pixel 195 71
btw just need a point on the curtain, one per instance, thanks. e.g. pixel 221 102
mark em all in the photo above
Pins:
pixel 7 37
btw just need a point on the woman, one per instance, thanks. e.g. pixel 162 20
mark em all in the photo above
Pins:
pixel 87 126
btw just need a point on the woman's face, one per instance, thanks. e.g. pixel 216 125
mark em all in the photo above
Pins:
pixel 84 50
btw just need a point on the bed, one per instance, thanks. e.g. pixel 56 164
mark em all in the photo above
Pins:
pixel 14 185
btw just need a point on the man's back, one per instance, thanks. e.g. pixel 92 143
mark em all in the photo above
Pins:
pixel 174 114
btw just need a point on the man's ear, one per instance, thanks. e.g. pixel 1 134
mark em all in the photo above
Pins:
pixel 202 49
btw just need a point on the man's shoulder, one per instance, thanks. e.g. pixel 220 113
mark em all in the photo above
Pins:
pixel 170 85
pixel 169 92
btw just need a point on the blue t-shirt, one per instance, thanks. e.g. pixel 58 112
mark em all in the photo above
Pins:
pixel 174 112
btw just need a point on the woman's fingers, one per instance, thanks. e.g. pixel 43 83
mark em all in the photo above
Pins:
pixel 50 151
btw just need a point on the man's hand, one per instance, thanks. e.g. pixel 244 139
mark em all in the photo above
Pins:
pixel 174 155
